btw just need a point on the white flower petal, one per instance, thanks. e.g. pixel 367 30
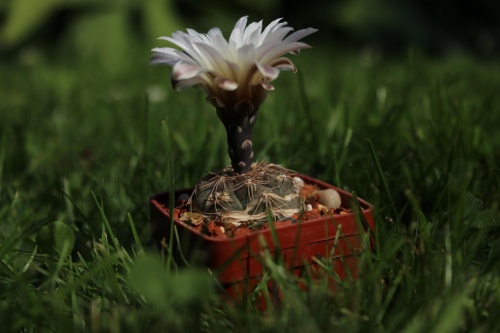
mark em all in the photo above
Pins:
pixel 161 58
pixel 236 38
pixel 184 71
pixel 235 69
pixel 299 35
pixel 177 41
pixel 246 56
pixel 169 56
pixel 197 36
pixel 268 29
pixel 269 52
pixel 216 62
pixel 218 41
pixel 252 32
pixel 277 35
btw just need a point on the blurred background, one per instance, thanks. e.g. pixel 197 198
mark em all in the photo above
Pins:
pixel 113 32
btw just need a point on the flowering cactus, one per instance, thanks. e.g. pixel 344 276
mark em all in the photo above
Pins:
pixel 234 74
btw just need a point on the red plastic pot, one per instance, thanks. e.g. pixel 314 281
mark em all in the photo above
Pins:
pixel 237 261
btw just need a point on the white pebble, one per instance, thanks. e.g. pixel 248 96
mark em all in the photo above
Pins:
pixel 329 198
pixel 309 208
pixel 299 183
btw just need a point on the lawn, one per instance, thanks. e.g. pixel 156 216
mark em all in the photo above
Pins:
pixel 81 151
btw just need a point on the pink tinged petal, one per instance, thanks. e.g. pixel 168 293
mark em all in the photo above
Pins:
pixel 225 84
pixel 266 85
pixel 283 64
pixel 184 71
pixel 299 35
pixel 269 73
pixel 180 85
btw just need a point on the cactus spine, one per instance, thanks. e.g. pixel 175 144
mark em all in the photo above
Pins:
pixel 235 198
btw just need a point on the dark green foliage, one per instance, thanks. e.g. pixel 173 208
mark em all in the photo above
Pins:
pixel 417 137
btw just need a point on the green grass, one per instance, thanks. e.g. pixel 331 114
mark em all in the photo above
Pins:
pixel 415 136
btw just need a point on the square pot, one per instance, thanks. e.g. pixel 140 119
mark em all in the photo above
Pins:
pixel 237 261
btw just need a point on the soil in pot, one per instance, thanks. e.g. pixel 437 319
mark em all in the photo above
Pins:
pixel 220 230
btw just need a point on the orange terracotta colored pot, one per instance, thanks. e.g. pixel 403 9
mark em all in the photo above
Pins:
pixel 237 261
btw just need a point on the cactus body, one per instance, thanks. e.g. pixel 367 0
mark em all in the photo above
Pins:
pixel 247 198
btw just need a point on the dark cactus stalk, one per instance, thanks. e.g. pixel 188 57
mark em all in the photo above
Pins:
pixel 239 127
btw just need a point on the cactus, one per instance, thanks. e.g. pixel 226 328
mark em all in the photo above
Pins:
pixel 239 127
pixel 247 198
pixel 235 76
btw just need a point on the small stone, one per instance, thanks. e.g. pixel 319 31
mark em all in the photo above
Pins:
pixel 309 208
pixel 299 183
pixel 323 209
pixel 192 218
pixel 329 198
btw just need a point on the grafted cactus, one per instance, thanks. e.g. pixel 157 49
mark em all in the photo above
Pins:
pixel 235 198
pixel 235 75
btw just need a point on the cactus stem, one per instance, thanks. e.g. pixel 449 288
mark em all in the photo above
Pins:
pixel 239 124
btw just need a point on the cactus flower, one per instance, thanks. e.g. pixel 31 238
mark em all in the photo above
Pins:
pixel 234 73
